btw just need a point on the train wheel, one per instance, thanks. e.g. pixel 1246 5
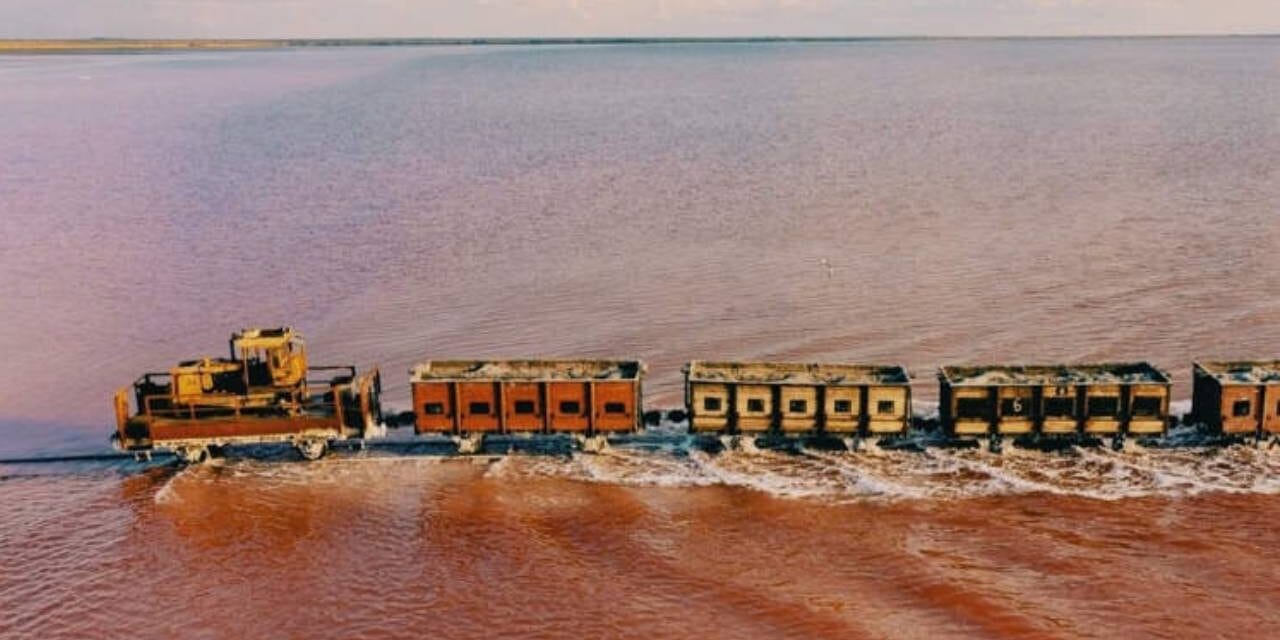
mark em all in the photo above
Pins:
pixel 312 449
pixel 193 455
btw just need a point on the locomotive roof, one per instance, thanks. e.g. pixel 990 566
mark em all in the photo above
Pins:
pixel 796 373
pixel 1242 371
pixel 263 338
pixel 1053 375
pixel 527 370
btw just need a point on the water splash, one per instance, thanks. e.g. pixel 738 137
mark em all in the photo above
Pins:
pixel 1095 473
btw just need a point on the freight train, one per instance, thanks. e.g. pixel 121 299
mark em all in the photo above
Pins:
pixel 264 393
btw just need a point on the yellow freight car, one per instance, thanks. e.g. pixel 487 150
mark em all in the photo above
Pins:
pixel 795 398
pixel 1102 399
pixel 1237 398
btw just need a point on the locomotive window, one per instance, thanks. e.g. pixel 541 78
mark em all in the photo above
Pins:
pixel 1015 407
pixel 798 406
pixel 433 408
pixel 1241 409
pixel 843 406
pixel 1059 407
pixel 1105 406
pixel 570 407
pixel 972 408
pixel 1146 406
pixel 711 403
pixel 525 407
pixel 755 405
pixel 479 408
pixel 615 407
pixel 886 407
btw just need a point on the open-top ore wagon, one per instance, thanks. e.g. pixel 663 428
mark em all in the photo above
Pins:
pixel 1055 400
pixel 1238 398
pixel 756 398
pixel 467 399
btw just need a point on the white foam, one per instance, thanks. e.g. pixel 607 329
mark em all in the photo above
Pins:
pixel 165 494
pixel 925 409
pixel 870 474
pixel 1179 407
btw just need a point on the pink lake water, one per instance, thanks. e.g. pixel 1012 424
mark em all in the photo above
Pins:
pixel 977 201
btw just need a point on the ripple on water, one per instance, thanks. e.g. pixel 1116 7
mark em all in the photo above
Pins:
pixel 1096 473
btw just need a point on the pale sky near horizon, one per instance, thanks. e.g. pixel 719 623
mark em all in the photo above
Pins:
pixel 445 18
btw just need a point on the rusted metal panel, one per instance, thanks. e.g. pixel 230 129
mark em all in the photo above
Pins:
pixel 1237 397
pixel 1013 410
pixel 1239 408
pixel 478 406
pixel 798 406
pixel 1147 409
pixel 970 411
pixel 570 406
pixel 613 406
pixel 1103 409
pixel 842 407
pixel 215 428
pixel 754 408
pixel 1271 405
pixel 709 407
pixel 433 407
pixel 888 409
pixel 1059 409
pixel 522 407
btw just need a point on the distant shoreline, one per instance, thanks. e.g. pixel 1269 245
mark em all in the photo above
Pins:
pixel 127 45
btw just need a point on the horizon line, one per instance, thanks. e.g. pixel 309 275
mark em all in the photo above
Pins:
pixel 341 40
pixel 113 45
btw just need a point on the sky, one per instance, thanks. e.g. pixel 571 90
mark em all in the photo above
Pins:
pixel 584 18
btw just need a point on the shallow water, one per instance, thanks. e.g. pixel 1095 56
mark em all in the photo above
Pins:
pixel 977 201
pixel 644 544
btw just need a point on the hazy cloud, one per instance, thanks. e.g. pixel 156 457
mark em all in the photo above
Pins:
pixel 372 18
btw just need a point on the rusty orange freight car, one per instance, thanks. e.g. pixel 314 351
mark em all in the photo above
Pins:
pixel 585 397
pixel 1237 398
